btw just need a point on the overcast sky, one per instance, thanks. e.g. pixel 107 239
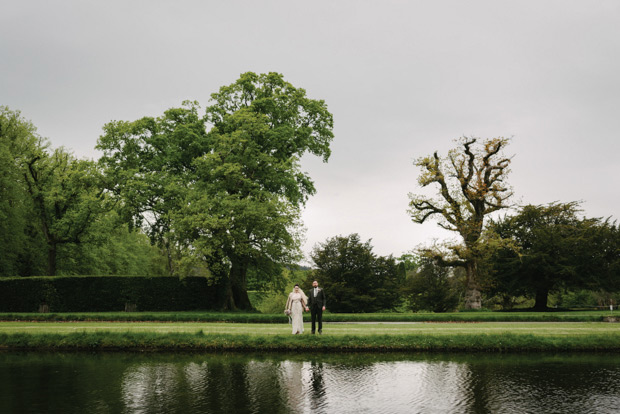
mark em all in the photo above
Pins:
pixel 402 79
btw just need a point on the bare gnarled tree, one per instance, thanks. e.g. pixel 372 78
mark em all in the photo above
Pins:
pixel 471 181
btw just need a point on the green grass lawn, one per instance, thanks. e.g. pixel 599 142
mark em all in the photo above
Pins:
pixel 240 317
pixel 332 329
pixel 337 337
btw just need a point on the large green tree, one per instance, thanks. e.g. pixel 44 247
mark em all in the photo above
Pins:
pixel 67 195
pixel 243 210
pixel 149 166
pixel 19 243
pixel 54 218
pixel 355 279
pixel 555 248
pixel 224 190
pixel 471 184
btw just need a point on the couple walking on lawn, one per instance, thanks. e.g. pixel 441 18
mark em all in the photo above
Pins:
pixel 298 302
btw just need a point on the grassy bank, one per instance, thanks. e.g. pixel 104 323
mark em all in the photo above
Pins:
pixel 145 341
pixel 426 337
pixel 567 316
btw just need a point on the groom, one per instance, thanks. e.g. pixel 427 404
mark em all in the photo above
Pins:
pixel 316 306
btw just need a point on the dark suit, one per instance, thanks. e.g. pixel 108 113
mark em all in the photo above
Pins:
pixel 316 303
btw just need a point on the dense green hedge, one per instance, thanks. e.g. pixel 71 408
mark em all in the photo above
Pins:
pixel 106 293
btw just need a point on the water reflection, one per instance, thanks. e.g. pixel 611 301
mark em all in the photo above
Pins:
pixel 131 383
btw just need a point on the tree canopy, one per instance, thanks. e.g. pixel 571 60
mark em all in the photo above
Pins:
pixel 245 209
pixel 355 279
pixel 555 248
pixel 224 189
pixel 18 141
pixel 149 165
pixel 431 288
pixel 54 215
pixel 471 184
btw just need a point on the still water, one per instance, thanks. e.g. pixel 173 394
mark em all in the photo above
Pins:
pixel 353 383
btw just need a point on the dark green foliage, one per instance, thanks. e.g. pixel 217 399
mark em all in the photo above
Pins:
pixel 576 299
pixel 148 164
pixel 106 293
pixel 54 216
pixel 22 246
pixel 67 196
pixel 354 279
pixel 431 288
pixel 112 249
pixel 552 249
pixel 222 193
pixel 586 299
pixel 243 211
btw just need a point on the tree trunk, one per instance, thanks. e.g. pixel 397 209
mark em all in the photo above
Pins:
pixel 51 259
pixel 473 297
pixel 170 259
pixel 235 289
pixel 238 285
pixel 541 299
pixel 229 303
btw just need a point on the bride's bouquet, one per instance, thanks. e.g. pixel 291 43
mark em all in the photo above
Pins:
pixel 288 312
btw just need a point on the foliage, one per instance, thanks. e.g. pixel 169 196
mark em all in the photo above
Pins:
pixel 272 302
pixel 555 249
pixel 471 185
pixel 224 201
pixel 54 218
pixel 272 295
pixel 106 293
pixel 576 299
pixel 67 196
pixel 354 278
pixel 244 208
pixel 149 164
pixel 408 265
pixel 431 288
pixel 20 241
pixel 110 248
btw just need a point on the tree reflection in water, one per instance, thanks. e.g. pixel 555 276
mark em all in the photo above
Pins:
pixel 131 383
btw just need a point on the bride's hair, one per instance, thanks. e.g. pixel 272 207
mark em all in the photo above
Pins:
pixel 300 291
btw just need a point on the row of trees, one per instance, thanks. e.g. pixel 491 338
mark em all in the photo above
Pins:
pixel 55 217
pixel 537 250
pixel 530 253
pixel 527 256
pixel 218 193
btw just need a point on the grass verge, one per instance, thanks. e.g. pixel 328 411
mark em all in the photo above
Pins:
pixel 141 341
pixel 210 337
pixel 567 316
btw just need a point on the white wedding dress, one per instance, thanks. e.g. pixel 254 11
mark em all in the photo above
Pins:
pixel 296 305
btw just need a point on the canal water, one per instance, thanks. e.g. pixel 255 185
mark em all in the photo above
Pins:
pixel 306 383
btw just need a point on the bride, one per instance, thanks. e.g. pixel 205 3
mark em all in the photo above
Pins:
pixel 295 306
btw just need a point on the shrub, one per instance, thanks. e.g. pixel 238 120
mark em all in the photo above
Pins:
pixel 107 293
pixel 431 289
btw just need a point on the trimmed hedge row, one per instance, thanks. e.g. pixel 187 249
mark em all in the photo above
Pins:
pixel 106 294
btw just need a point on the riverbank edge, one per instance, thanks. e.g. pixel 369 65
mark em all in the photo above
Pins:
pixel 201 342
